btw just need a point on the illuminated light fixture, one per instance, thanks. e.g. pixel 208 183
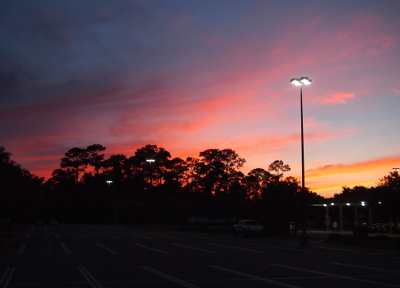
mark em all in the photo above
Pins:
pixel 362 203
pixel 396 169
pixel 348 204
pixel 325 205
pixel 332 204
pixel 150 160
pixel 301 81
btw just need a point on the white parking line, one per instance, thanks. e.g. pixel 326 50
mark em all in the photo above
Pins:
pixel 254 277
pixel 163 235
pixel 237 248
pixel 365 267
pixel 141 236
pixel 160 251
pixel 337 249
pixel 89 278
pixel 65 248
pixel 169 277
pixel 105 248
pixel 201 237
pixel 21 249
pixel 114 237
pixel 278 247
pixel 83 236
pixel 195 248
pixel 6 277
pixel 379 284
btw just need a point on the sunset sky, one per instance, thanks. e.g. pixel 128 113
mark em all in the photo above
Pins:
pixel 190 75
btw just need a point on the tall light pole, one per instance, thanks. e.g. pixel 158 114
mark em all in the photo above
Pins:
pixel 151 187
pixel 300 82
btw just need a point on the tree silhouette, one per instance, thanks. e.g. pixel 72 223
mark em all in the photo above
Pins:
pixel 94 158
pixel 75 158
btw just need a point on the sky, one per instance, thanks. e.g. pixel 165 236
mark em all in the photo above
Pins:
pixel 190 75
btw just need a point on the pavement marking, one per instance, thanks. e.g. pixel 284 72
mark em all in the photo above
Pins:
pixel 338 249
pixel 169 277
pixel 6 277
pixel 379 284
pixel 83 236
pixel 365 267
pixel 237 248
pixel 278 247
pixel 195 248
pixel 254 277
pixel 89 278
pixel 173 237
pixel 141 236
pixel 108 249
pixel 22 249
pixel 114 237
pixel 65 248
pixel 147 247
pixel 201 237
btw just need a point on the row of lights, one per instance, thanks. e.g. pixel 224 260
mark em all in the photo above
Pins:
pixel 362 203
pixel 348 204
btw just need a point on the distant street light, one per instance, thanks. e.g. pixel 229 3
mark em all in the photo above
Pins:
pixel 151 172
pixel 300 82
pixel 151 187
pixel 396 169
pixel 109 183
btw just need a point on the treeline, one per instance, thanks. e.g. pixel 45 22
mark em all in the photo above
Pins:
pixel 382 200
pixel 88 187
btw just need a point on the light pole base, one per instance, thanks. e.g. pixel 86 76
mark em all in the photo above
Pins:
pixel 304 239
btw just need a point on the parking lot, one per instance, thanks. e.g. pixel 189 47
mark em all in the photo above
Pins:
pixel 111 256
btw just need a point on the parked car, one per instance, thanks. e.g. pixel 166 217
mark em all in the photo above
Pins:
pixel 247 228
pixel 384 228
pixel 375 228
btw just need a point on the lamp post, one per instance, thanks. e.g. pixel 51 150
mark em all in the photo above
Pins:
pixel 109 183
pixel 111 197
pixel 151 172
pixel 300 82
pixel 151 187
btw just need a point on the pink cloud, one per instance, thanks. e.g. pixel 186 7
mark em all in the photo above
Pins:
pixel 339 98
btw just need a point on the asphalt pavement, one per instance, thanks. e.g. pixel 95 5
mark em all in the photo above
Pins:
pixel 114 256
